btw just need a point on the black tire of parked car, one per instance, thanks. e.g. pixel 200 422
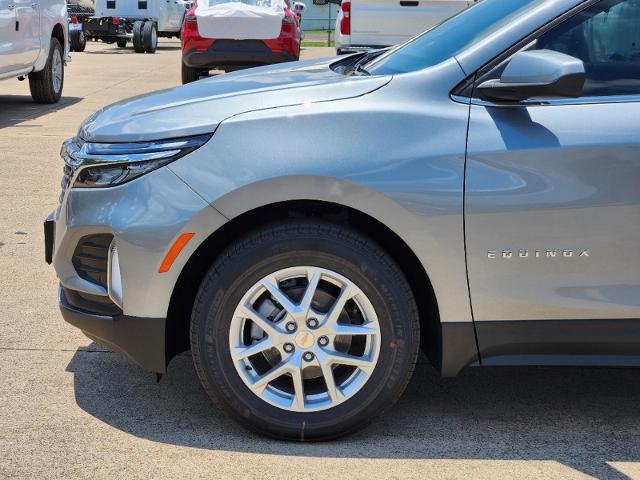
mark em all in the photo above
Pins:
pixel 304 242
pixel 121 42
pixel 78 42
pixel 138 43
pixel 190 74
pixel 41 83
pixel 149 37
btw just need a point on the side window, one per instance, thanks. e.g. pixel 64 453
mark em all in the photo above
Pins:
pixel 606 37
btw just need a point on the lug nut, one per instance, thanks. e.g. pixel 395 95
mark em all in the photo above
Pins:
pixel 291 327
pixel 313 323
pixel 323 341
pixel 308 356
pixel 288 347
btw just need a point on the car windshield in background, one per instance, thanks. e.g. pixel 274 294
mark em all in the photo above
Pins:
pixel 451 37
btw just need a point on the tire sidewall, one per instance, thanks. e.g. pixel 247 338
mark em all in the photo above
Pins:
pixel 150 37
pixel 233 281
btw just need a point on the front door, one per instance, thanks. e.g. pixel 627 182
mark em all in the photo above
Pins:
pixel 553 192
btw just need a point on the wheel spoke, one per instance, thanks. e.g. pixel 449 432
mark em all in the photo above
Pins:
pixel 298 389
pixel 240 353
pixel 329 380
pixel 343 329
pixel 279 296
pixel 314 279
pixel 339 358
pixel 338 306
pixel 276 372
pixel 265 325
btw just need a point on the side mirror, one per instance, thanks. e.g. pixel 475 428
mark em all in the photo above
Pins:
pixel 299 8
pixel 537 73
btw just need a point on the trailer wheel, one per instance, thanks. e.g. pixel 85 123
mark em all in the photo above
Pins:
pixel 78 42
pixel 121 42
pixel 138 44
pixel 150 37
pixel 190 74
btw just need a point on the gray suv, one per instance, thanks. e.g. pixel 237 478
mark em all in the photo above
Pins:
pixel 304 228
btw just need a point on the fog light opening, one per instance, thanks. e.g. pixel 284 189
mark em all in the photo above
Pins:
pixel 114 279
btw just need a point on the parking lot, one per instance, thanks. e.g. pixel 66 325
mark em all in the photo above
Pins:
pixel 70 408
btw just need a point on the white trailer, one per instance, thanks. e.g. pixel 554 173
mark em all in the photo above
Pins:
pixel 141 21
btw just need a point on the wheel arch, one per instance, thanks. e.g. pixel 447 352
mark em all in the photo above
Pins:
pixel 58 34
pixel 242 222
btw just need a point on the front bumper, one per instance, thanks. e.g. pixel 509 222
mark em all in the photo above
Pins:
pixel 142 219
pixel 236 53
pixel 140 339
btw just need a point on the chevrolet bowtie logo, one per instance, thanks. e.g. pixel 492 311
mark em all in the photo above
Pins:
pixel 539 253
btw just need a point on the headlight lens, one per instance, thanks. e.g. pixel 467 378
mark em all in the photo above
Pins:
pixel 106 165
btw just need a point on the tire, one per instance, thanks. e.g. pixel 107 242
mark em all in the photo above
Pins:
pixel 121 42
pixel 46 85
pixel 78 42
pixel 190 74
pixel 138 44
pixel 150 37
pixel 383 296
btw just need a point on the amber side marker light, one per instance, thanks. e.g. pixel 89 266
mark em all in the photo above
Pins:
pixel 174 251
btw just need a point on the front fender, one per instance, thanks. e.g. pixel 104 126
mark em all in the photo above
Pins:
pixel 52 14
pixel 385 154
pixel 427 245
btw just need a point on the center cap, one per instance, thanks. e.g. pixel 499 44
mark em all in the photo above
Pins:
pixel 305 339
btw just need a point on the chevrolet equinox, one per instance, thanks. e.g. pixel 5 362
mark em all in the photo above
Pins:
pixel 303 229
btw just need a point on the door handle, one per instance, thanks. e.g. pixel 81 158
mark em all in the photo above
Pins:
pixel 11 7
pixel 409 3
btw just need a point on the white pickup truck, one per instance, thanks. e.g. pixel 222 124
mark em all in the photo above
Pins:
pixel 369 24
pixel 33 44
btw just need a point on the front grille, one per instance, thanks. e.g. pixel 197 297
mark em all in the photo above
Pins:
pixel 91 257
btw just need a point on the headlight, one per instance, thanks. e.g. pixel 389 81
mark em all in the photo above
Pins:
pixel 108 164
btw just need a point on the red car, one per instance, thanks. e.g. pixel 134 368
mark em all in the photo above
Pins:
pixel 199 55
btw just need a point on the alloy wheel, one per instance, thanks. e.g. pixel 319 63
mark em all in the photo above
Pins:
pixel 56 71
pixel 304 339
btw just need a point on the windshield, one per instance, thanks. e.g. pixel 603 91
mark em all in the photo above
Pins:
pixel 451 37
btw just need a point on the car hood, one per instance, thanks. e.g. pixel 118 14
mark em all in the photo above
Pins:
pixel 199 107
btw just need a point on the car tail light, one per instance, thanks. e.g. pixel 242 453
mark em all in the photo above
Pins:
pixel 345 22
pixel 115 21
pixel 190 26
pixel 74 20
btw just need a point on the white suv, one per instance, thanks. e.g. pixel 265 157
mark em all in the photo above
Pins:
pixel 370 24
pixel 33 43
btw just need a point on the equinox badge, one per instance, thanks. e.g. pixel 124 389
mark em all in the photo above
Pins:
pixel 538 253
